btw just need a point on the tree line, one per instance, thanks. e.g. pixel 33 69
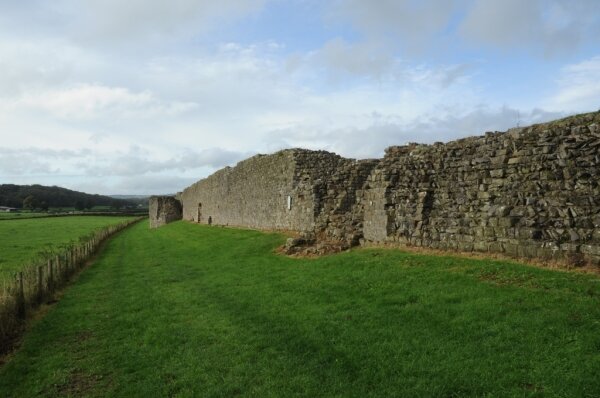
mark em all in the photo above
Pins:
pixel 44 197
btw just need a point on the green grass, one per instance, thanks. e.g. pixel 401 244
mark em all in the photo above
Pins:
pixel 53 211
pixel 22 240
pixel 189 310
pixel 7 216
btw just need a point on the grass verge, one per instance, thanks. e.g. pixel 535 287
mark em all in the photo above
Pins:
pixel 189 310
pixel 36 283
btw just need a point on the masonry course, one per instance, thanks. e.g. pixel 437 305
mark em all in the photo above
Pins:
pixel 528 192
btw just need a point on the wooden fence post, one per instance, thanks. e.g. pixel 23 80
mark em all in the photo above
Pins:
pixel 20 296
pixel 50 278
pixel 40 284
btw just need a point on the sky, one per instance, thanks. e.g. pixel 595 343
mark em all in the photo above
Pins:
pixel 148 96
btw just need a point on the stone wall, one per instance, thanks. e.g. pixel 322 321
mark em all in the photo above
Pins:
pixel 163 210
pixel 530 192
pixel 251 194
pixel 278 191
pixel 340 217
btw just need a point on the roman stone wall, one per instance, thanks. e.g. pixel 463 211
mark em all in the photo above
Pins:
pixel 530 192
pixel 340 218
pixel 163 210
pixel 266 191
pixel 294 189
pixel 251 194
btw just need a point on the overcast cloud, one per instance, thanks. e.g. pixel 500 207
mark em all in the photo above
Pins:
pixel 145 97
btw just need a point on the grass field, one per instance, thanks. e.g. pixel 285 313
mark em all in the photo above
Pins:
pixel 6 216
pixel 189 310
pixel 54 211
pixel 22 240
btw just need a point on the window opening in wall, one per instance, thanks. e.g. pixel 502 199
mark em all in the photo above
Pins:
pixel 289 202
pixel 199 212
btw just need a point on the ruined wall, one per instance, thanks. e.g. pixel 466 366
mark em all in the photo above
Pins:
pixel 163 210
pixel 251 194
pixel 530 192
pixel 340 217
pixel 275 191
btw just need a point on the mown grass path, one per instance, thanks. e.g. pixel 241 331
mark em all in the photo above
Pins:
pixel 189 310
pixel 22 240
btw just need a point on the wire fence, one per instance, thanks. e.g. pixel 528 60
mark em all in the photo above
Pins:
pixel 37 282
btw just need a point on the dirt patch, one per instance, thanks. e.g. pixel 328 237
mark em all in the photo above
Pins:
pixel 84 336
pixel 79 383
pixel 499 279
pixel 532 387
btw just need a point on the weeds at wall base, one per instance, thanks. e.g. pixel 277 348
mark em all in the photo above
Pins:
pixel 569 262
pixel 38 283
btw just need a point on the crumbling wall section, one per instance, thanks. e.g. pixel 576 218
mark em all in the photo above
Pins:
pixel 340 218
pixel 530 192
pixel 163 210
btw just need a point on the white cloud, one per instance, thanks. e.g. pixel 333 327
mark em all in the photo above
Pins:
pixel 27 65
pixel 488 21
pixel 154 185
pixel 88 101
pixel 139 161
pixel 135 161
pixel 549 27
pixel 37 161
pixel 141 88
pixel 360 59
pixel 411 24
pixel 578 87
pixel 378 131
pixel 112 171
pixel 238 97
pixel 118 23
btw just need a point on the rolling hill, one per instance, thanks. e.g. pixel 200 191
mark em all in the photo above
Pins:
pixel 44 196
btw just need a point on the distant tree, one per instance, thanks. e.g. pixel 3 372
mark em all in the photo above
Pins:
pixel 115 204
pixel 44 206
pixel 13 196
pixel 30 202
pixel 89 204
pixel 79 205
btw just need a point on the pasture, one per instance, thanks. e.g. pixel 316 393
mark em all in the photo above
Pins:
pixel 21 241
pixel 189 310
pixel 18 215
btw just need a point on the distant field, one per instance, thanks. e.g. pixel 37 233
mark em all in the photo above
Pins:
pixel 60 211
pixel 189 310
pixel 4 215
pixel 22 240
